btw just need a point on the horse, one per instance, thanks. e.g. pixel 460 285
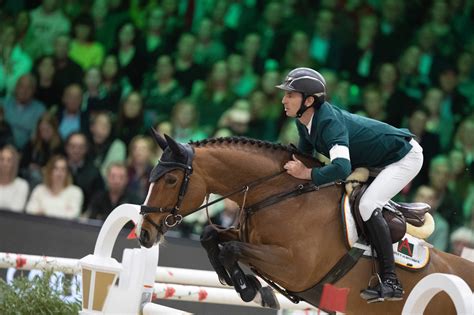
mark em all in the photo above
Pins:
pixel 292 240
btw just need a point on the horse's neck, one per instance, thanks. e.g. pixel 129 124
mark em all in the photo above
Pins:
pixel 228 170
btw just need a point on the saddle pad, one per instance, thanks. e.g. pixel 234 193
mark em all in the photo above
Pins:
pixel 410 252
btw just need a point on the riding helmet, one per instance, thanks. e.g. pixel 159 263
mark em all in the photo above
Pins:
pixel 306 81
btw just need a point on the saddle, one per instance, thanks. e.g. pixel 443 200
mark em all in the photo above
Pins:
pixel 396 214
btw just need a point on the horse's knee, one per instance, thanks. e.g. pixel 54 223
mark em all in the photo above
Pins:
pixel 229 254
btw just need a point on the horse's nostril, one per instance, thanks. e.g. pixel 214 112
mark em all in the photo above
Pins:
pixel 144 236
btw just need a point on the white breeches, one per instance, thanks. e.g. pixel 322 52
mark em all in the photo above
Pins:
pixel 391 180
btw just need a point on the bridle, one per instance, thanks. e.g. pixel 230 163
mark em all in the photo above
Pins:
pixel 174 217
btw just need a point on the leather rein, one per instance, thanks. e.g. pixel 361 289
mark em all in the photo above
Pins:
pixel 174 217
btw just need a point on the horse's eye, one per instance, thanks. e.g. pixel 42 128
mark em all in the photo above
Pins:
pixel 170 179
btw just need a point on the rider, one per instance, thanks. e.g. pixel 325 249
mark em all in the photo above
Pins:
pixel 352 141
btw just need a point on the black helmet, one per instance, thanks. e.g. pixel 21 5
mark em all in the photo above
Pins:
pixel 306 81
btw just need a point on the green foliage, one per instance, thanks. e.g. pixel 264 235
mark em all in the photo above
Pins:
pixel 38 296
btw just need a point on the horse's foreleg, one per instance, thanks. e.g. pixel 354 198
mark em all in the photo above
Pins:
pixel 210 240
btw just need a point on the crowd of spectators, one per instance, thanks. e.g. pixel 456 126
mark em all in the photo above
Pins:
pixel 81 83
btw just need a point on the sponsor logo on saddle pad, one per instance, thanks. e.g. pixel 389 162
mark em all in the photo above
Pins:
pixel 410 252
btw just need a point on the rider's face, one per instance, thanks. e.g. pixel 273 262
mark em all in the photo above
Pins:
pixel 291 102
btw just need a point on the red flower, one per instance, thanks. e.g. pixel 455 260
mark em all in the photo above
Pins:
pixel 202 294
pixel 169 292
pixel 20 262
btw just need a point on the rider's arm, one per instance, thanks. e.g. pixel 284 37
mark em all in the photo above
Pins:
pixel 334 134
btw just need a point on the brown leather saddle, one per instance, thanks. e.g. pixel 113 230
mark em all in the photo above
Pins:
pixel 396 214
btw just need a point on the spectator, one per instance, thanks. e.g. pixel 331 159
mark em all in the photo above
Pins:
pixel 208 49
pixel 324 45
pixel 440 236
pixel 6 134
pixel 465 69
pixel 186 69
pixel 108 16
pixel 105 148
pixel 399 104
pixel 242 82
pixel 156 38
pixel 57 196
pixel 71 118
pixel 130 121
pixel 84 173
pixel 214 96
pixel 250 50
pixel 14 62
pixel 113 83
pixel 410 82
pixel 448 201
pixel 359 59
pixel 45 143
pixel 430 59
pixel 67 71
pixel 95 96
pixel 161 91
pixel 84 49
pixel 130 55
pixel 48 90
pixel 460 238
pixel 228 216
pixel 464 141
pixel 373 104
pixel 237 118
pixel 185 121
pixel 46 22
pixel 22 111
pixel 13 189
pixel 102 203
pixel 429 142
pixel 139 165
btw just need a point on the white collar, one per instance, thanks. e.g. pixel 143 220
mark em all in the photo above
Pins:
pixel 308 126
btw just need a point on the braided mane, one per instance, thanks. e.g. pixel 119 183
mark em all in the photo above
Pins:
pixel 255 143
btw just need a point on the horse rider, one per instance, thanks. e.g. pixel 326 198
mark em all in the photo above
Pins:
pixel 352 141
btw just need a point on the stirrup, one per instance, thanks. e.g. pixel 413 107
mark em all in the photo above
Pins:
pixel 379 293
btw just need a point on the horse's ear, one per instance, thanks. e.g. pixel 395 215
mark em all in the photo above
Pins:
pixel 159 139
pixel 174 146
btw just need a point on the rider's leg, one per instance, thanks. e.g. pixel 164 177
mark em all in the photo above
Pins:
pixel 390 181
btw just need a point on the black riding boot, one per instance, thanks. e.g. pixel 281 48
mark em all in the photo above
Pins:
pixel 390 288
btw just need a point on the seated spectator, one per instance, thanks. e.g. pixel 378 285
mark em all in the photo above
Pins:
pixel 297 52
pixel 156 38
pixel 102 203
pixel 46 22
pixel 161 91
pixel 214 96
pixel 373 104
pixel 228 216
pixel 140 164
pixel 116 86
pixel 84 173
pixel 185 121
pixel 448 201
pixel 105 148
pixel 46 142
pixel 67 70
pixel 208 49
pixel 70 116
pixel 465 68
pixel 13 189
pixel 130 121
pixel 440 236
pixel 242 82
pixel 48 90
pixel 129 52
pixel 22 111
pixel 460 238
pixel 14 62
pixel 56 196
pixel 429 142
pixel 6 134
pixel 84 49
pixel 95 96
pixel 237 119
pixel 186 69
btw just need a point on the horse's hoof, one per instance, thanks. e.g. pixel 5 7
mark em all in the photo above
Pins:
pixel 269 298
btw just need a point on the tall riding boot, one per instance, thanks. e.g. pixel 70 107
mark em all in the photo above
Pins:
pixel 390 287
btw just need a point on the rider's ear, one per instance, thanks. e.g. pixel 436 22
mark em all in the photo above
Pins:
pixel 171 179
pixel 309 100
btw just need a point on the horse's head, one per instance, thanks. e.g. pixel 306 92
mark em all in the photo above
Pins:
pixel 173 191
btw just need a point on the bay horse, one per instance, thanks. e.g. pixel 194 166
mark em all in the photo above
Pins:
pixel 291 241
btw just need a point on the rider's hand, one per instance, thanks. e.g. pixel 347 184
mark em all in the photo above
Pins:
pixel 297 169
